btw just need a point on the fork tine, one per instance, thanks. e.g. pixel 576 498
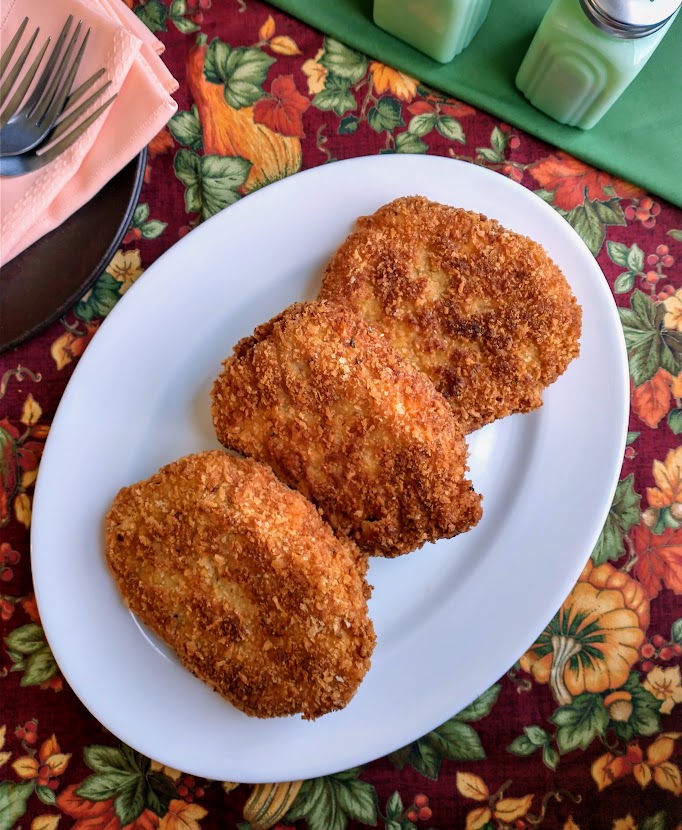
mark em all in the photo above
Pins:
pixel 18 97
pixel 41 106
pixel 11 46
pixel 72 117
pixel 61 94
pixel 75 134
pixel 16 69
pixel 49 67
pixel 30 162
pixel 82 89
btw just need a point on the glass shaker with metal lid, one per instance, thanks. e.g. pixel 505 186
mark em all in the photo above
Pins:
pixel 585 53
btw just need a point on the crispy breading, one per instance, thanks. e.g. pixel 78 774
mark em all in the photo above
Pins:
pixel 481 310
pixel 243 579
pixel 339 415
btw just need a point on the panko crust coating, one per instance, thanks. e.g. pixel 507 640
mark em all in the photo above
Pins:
pixel 339 415
pixel 241 577
pixel 481 310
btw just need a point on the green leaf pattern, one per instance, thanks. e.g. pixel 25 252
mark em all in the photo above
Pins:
pixel 242 71
pixel 31 655
pixel 328 803
pixel 13 802
pixel 454 740
pixel 397 121
pixel 623 516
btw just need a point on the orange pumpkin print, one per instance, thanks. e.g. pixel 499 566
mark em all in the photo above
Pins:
pixel 584 734
pixel 593 642
pixel 233 132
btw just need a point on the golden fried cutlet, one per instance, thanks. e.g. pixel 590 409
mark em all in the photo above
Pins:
pixel 483 311
pixel 339 415
pixel 240 576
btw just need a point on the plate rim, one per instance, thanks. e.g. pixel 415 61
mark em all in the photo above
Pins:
pixel 140 161
pixel 570 575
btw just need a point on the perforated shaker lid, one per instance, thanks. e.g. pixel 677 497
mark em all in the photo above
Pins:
pixel 630 18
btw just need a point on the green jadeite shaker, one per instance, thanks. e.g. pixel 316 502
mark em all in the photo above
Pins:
pixel 439 28
pixel 585 53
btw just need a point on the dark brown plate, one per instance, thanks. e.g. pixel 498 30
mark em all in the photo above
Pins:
pixel 46 279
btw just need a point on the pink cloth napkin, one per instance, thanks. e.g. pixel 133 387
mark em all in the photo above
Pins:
pixel 35 204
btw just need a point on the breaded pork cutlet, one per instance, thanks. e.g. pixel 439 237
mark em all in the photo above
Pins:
pixel 339 415
pixel 483 311
pixel 241 577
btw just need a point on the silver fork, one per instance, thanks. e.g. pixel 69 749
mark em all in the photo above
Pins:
pixel 31 161
pixel 22 130
pixel 8 54
pixel 12 106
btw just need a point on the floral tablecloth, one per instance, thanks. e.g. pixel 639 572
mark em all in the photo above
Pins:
pixel 585 730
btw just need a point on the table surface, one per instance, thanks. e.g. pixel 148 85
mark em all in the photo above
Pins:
pixel 549 748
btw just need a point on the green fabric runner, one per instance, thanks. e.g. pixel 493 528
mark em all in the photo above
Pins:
pixel 639 139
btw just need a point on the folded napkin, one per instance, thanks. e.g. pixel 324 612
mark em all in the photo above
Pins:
pixel 33 205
